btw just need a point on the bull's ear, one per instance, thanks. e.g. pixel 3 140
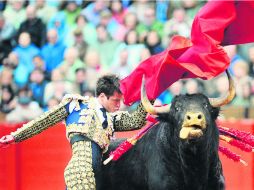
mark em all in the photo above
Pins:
pixel 215 112
pixel 227 98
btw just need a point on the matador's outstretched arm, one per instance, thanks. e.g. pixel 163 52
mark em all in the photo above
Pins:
pixel 36 126
pixel 43 122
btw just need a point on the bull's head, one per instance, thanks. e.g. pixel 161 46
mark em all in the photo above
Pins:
pixel 190 110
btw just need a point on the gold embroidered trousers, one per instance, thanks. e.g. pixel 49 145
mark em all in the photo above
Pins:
pixel 79 172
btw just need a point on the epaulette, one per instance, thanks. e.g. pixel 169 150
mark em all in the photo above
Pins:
pixel 74 100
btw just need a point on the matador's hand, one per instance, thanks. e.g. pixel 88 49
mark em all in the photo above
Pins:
pixel 6 140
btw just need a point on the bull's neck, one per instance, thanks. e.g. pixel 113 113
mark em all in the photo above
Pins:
pixel 195 159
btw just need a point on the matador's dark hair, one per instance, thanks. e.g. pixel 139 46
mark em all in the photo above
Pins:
pixel 108 84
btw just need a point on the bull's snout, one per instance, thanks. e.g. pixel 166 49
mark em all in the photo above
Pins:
pixel 192 118
pixel 192 125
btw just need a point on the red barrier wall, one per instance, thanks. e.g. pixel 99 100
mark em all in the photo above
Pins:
pixel 38 163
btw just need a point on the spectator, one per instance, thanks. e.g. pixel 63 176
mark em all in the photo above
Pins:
pixel 241 77
pixel 241 70
pixel 110 23
pixel 80 43
pixel 81 81
pixel 122 68
pixel 93 10
pixel 144 54
pixel 176 88
pixel 162 9
pixel 232 53
pixel 34 26
pixel 172 91
pixel 44 11
pixel 7 33
pixel 118 11
pixel 244 99
pixel 105 47
pixel 192 86
pixel 26 109
pixel 7 84
pixel 25 51
pixel 221 86
pixel 93 68
pixel 58 23
pixel 70 64
pixel 6 78
pixel 37 85
pixel 15 13
pixel 11 61
pixel 179 24
pixel 192 7
pixel 134 48
pixel 150 23
pixel 53 51
pixel 130 22
pixel 88 30
pixel 140 7
pixel 39 63
pixel 7 102
pixel 153 43
pixel 72 10
pixel 57 87
pixel 53 101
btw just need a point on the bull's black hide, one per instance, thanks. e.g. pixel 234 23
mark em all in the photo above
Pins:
pixel 162 160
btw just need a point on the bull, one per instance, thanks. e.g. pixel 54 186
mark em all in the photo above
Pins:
pixel 178 153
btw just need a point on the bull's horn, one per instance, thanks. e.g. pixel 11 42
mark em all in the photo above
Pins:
pixel 147 104
pixel 220 101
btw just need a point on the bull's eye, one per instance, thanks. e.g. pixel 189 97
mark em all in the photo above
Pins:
pixel 178 106
pixel 206 105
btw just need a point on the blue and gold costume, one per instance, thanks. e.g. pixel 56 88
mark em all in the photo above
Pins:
pixel 89 130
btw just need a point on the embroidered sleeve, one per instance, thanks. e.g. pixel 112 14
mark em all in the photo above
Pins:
pixel 46 120
pixel 124 121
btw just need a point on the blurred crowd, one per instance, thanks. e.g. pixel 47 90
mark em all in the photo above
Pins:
pixel 50 48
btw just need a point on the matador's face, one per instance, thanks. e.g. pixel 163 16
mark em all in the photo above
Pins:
pixel 112 103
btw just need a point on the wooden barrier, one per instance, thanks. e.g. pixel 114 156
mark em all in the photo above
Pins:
pixel 38 163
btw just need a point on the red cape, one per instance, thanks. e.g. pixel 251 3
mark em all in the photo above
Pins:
pixel 217 23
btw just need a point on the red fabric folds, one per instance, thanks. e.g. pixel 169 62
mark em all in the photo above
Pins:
pixel 217 23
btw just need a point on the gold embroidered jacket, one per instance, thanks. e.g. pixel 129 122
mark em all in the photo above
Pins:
pixel 81 117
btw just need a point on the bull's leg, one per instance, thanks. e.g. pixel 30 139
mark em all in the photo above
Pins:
pixel 79 172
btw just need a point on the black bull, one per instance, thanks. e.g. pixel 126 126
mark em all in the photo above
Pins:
pixel 168 157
